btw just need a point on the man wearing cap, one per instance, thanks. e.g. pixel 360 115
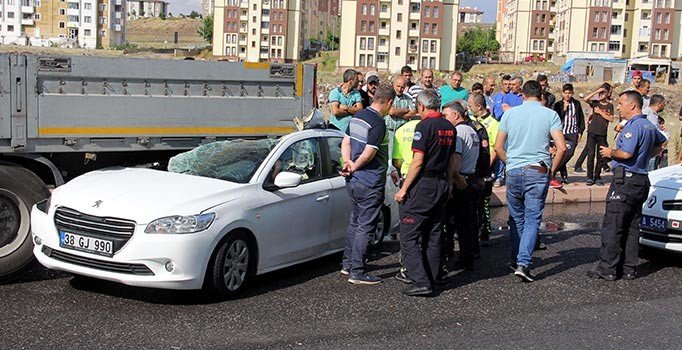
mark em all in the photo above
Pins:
pixel 367 92
pixel 636 79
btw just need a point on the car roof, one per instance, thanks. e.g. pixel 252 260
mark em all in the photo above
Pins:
pixel 304 134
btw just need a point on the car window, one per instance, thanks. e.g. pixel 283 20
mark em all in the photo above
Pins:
pixel 335 154
pixel 302 157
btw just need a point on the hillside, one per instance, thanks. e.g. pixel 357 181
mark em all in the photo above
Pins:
pixel 155 32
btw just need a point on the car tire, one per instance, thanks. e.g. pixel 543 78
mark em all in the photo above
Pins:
pixel 20 189
pixel 376 238
pixel 233 265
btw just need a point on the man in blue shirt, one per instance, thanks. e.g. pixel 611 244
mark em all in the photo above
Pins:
pixel 365 159
pixel 514 97
pixel 454 91
pixel 638 141
pixel 498 97
pixel 345 100
pixel 523 144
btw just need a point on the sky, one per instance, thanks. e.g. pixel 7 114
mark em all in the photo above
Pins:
pixel 489 6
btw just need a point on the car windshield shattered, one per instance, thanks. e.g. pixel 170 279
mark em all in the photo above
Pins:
pixel 234 160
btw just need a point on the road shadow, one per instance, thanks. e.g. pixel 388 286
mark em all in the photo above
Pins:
pixel 34 273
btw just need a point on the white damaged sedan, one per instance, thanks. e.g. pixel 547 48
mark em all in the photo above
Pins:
pixel 224 212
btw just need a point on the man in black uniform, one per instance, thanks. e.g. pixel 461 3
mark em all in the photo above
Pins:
pixel 423 195
pixel 636 144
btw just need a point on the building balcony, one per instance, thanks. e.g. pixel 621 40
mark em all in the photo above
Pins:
pixel 265 44
pixel 385 15
pixel 413 33
pixel 118 15
pixel 27 9
pixel 117 2
pixel 413 48
pixel 242 55
pixel 264 56
pixel 242 42
pixel 415 15
pixel 27 22
pixel 244 4
pixel 117 27
pixel 266 4
pixel 265 18
pixel 243 17
pixel 265 31
pixel 71 24
pixel 243 30
pixel 73 12
pixel 385 32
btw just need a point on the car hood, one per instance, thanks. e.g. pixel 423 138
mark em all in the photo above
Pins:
pixel 668 177
pixel 143 195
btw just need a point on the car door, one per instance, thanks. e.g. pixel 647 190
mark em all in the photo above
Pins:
pixel 295 221
pixel 340 202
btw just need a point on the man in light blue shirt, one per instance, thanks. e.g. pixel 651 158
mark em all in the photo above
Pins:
pixel 514 97
pixel 345 100
pixel 526 131
pixel 505 88
pixel 454 91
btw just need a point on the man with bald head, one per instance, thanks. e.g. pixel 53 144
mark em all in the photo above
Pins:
pixel 454 91
pixel 426 84
pixel 403 109
pixel 488 90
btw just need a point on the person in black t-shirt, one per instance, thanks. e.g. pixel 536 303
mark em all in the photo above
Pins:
pixel 424 193
pixel 598 123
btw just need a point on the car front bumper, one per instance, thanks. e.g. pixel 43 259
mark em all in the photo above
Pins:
pixel 142 261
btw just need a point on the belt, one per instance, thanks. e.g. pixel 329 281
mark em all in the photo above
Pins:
pixel 629 173
pixel 541 169
pixel 435 174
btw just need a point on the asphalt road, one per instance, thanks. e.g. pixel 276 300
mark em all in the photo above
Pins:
pixel 312 306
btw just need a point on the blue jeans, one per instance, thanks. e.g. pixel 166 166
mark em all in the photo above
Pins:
pixel 526 193
pixel 366 205
pixel 498 170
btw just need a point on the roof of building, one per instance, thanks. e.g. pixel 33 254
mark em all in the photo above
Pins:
pixel 467 9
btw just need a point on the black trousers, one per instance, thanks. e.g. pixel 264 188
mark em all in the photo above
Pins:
pixel 462 217
pixel 620 228
pixel 421 217
pixel 593 144
pixel 571 144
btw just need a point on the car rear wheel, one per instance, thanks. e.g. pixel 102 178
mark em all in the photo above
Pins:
pixel 20 189
pixel 234 264
pixel 383 227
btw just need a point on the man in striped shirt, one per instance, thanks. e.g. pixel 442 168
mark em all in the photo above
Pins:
pixel 426 84
pixel 573 120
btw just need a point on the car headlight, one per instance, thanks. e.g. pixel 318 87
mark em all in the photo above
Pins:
pixel 44 205
pixel 181 224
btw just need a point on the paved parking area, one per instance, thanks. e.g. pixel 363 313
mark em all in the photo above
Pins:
pixel 312 306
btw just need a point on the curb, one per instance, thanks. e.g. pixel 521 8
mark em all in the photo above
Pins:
pixel 571 193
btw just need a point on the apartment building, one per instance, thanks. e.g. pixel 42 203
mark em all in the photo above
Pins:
pixel 146 8
pixel 389 34
pixel 270 30
pixel 77 23
pixel 527 30
pixel 470 15
pixel 620 28
pixel 207 7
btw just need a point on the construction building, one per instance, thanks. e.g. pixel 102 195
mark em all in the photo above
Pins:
pixel 70 23
pixel 389 34
pixel 146 9
pixel 470 15
pixel 271 30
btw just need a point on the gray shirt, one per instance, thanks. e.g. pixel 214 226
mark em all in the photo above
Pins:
pixel 467 145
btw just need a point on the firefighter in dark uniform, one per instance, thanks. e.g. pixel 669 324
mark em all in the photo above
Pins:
pixel 636 144
pixel 424 193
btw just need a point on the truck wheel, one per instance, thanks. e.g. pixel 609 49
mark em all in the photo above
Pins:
pixel 20 189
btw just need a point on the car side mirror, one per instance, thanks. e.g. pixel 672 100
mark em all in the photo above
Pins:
pixel 287 179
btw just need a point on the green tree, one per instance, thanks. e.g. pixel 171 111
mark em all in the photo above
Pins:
pixel 478 41
pixel 206 29
pixel 332 40
pixel 194 14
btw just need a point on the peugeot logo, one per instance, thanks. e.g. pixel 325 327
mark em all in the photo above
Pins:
pixel 651 202
pixel 97 204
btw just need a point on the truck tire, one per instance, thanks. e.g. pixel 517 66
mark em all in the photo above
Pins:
pixel 20 189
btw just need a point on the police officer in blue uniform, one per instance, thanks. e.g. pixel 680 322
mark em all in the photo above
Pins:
pixel 424 193
pixel 637 142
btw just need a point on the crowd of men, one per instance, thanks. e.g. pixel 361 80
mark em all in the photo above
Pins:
pixel 447 147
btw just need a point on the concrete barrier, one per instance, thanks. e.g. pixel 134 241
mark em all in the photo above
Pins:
pixel 577 192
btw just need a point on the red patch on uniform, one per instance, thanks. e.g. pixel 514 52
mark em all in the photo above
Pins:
pixel 407 220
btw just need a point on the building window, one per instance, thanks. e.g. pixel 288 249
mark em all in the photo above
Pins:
pixel 255 7
pixel 398 34
pixel 363 26
pixel 594 33
pixel 397 51
pixel 370 43
pixel 103 33
pixel 62 25
pixel 435 12
pixel 383 25
pixel 87 32
pixel 666 34
pixel 253 44
pixel 434 28
pixel 614 45
pixel 361 61
pixel 372 11
pixel 384 8
pixel 659 18
pixel 602 33
pixel 643 47
pixel 412 60
pixel 535 45
pixel 536 31
pixel 425 46
pixel 657 34
pixel 363 44
pixel 593 47
pixel 372 27
pixel 10 28
pixel 381 57
pixel 87 19
pixel 370 60
pixel 432 62
pixel 614 15
pixel 434 46
pixel 427 11
pixel 364 9
pixel 596 17
pixel 602 47
pixel 382 41
pixel 425 62
pixel 36 16
pixel 667 18
pixel 400 17
pixel 427 28
pixel 664 50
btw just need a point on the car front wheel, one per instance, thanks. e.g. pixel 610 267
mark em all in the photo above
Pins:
pixel 234 264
